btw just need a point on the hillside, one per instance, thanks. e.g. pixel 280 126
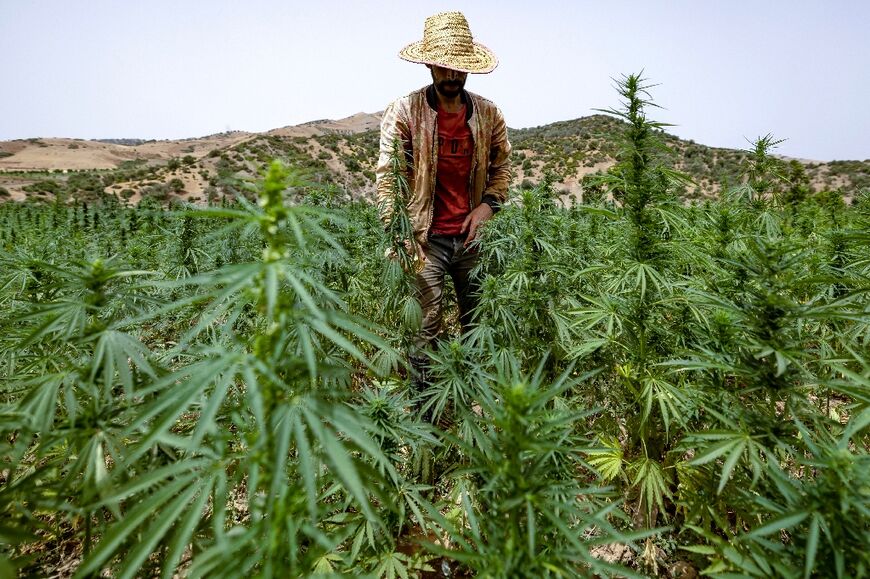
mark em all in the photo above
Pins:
pixel 343 152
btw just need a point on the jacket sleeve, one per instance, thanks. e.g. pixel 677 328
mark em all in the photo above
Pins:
pixel 394 128
pixel 499 175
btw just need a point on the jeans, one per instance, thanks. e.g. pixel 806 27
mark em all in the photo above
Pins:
pixel 445 255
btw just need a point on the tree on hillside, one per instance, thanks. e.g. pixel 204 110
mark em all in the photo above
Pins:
pixel 176 185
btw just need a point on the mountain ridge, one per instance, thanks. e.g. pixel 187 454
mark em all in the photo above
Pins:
pixel 342 152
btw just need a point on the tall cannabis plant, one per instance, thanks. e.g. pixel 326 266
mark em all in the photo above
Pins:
pixel 524 502
pixel 632 314
pixel 404 255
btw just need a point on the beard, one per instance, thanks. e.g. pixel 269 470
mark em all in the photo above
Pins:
pixel 449 88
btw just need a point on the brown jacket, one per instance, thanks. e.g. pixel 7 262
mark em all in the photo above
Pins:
pixel 413 120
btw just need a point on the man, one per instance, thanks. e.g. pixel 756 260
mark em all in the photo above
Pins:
pixel 456 154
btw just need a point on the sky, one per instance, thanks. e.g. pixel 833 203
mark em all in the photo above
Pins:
pixel 725 72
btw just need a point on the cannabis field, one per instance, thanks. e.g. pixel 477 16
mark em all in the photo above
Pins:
pixel 651 387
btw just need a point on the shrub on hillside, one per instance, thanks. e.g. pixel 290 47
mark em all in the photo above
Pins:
pixel 44 186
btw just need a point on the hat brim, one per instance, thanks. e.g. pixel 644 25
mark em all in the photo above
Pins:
pixel 482 60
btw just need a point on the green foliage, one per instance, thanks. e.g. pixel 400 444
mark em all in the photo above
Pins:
pixel 44 186
pixel 221 391
pixel 720 325
pixel 519 484
pixel 176 185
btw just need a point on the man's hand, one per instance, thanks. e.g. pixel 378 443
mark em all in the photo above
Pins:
pixel 480 214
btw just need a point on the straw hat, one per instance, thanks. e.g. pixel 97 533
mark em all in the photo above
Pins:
pixel 447 42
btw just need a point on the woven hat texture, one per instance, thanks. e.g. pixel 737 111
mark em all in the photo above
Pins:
pixel 447 42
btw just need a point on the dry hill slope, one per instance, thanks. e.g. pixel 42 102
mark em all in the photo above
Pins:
pixel 342 153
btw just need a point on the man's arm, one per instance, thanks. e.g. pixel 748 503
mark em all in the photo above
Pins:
pixel 394 128
pixel 499 175
pixel 497 180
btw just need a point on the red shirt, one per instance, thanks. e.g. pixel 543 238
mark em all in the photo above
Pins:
pixel 455 149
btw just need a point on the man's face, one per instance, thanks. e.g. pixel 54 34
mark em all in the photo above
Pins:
pixel 449 83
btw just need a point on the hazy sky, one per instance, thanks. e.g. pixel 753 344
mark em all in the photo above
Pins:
pixel 727 70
